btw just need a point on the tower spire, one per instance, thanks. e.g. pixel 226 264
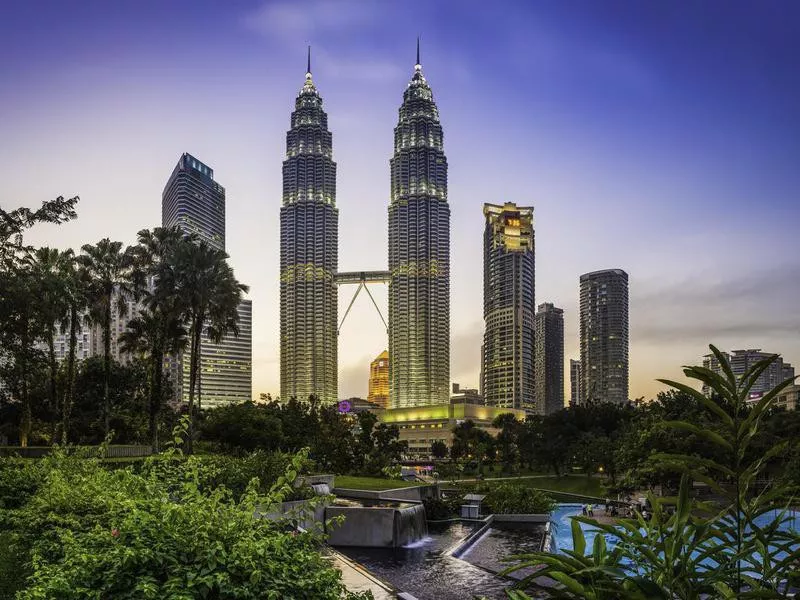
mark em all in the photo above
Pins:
pixel 418 64
pixel 308 67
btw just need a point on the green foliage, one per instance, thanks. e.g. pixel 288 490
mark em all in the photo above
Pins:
pixel 243 427
pixel 512 498
pixel 665 555
pixel 438 509
pixel 169 531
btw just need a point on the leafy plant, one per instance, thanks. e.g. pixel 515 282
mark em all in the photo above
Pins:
pixel 735 547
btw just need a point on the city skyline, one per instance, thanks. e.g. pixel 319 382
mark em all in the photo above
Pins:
pixel 678 149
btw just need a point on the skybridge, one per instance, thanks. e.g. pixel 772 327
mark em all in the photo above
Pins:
pixel 362 279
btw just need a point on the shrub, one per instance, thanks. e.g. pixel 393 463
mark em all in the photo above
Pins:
pixel 513 498
pixel 172 531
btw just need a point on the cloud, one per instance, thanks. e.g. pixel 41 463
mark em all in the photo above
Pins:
pixel 304 19
pixel 741 309
pixel 465 354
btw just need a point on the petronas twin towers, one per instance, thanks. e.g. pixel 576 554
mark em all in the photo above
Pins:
pixel 419 254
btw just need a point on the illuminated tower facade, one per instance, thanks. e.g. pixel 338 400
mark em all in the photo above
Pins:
pixel 379 380
pixel 508 306
pixel 309 253
pixel 419 254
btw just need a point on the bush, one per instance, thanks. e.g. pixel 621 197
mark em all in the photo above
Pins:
pixel 513 498
pixel 172 531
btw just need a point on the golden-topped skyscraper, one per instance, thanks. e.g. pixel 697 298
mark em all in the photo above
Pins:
pixel 379 380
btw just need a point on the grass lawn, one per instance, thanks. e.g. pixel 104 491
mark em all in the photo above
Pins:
pixel 353 482
pixel 574 484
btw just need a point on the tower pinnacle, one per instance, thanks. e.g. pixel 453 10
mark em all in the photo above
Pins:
pixel 308 66
pixel 417 65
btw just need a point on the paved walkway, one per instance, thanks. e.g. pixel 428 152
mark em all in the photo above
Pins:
pixel 357 579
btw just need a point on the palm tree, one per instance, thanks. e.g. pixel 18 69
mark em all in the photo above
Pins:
pixel 107 270
pixel 76 300
pixel 206 283
pixel 159 330
pixel 50 267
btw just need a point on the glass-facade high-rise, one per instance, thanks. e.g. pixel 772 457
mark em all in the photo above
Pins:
pixel 604 336
pixel 309 239
pixel 419 254
pixel 549 359
pixel 193 201
pixel 508 306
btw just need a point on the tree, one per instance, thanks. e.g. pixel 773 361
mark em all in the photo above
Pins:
pixel 472 442
pixel 106 268
pixel 20 329
pixel 51 272
pixel 739 546
pixel 76 302
pixel 508 440
pixel 14 223
pixel 159 330
pixel 439 450
pixel 211 296
pixel 243 427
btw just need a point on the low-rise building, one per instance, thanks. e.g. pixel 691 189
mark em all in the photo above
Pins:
pixel 421 426
pixel 788 398
pixel 465 395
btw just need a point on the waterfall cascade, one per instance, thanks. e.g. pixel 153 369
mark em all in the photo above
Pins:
pixel 321 489
pixel 410 525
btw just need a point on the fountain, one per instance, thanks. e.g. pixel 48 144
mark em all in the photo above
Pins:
pixel 383 525
pixel 321 489
pixel 410 525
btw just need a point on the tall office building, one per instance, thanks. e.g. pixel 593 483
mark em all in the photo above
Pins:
pixel 604 336
pixel 379 380
pixel 195 202
pixel 741 360
pixel 574 382
pixel 309 254
pixel 549 359
pixel 508 306
pixel 419 254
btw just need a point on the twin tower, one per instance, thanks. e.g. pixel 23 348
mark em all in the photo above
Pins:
pixel 419 254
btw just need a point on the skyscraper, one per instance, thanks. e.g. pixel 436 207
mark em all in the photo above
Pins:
pixel 741 360
pixel 309 253
pixel 508 306
pixel 419 254
pixel 574 382
pixel 193 201
pixel 549 359
pixel 379 380
pixel 604 336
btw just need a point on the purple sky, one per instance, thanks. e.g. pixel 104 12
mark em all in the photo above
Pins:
pixel 661 138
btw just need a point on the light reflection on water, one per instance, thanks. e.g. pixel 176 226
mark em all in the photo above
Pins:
pixel 423 570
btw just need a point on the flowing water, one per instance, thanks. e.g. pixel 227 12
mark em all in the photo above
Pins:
pixel 410 525
pixel 425 570
pixel 321 489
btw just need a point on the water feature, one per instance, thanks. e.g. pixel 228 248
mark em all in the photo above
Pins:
pixel 426 570
pixel 321 489
pixel 378 524
pixel 503 540
pixel 410 525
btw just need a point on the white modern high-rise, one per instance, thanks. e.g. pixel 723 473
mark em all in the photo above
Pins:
pixel 195 202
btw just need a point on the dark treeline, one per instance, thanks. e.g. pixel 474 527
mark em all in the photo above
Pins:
pixel 618 441
pixel 182 286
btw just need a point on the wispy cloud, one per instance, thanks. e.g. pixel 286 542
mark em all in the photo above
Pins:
pixel 304 19
pixel 741 309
